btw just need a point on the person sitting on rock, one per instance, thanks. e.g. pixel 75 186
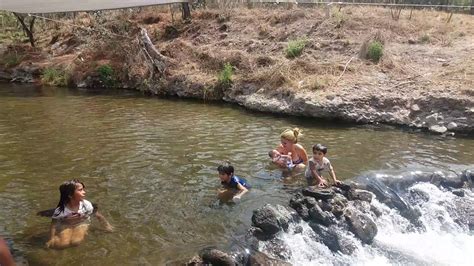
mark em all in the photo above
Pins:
pixel 233 186
pixel 317 164
pixel 289 146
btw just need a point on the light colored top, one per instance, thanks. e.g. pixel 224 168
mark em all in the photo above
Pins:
pixel 324 165
pixel 85 211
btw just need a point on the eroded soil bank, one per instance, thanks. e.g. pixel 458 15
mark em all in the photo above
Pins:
pixel 424 79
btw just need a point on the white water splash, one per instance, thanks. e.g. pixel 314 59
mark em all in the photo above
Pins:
pixel 444 242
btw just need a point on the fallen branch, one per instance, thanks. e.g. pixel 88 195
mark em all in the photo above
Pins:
pixel 345 67
pixel 156 58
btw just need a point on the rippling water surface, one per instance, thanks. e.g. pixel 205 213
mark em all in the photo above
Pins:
pixel 150 165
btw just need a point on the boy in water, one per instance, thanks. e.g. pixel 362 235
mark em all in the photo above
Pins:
pixel 316 165
pixel 233 186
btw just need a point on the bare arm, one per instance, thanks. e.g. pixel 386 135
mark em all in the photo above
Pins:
pixel 315 174
pixel 107 226
pixel 6 258
pixel 242 191
pixel 333 175
pixel 52 233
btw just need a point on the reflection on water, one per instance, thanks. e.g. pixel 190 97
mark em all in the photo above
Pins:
pixel 150 165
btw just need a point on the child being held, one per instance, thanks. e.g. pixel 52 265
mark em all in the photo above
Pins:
pixel 233 186
pixel 71 219
pixel 281 159
pixel 316 165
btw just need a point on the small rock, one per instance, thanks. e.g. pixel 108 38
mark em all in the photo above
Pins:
pixel 415 108
pixel 445 64
pixel 318 193
pixel 438 129
pixel 452 125
pixel 458 192
pixel 214 256
pixel 411 41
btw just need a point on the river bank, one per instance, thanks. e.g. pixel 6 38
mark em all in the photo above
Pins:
pixel 423 79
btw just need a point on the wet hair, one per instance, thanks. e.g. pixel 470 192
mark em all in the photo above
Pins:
pixel 320 147
pixel 291 134
pixel 225 169
pixel 66 191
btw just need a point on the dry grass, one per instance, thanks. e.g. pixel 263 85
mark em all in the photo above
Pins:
pixel 254 42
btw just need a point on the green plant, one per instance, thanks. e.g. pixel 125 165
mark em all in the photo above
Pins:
pixel 107 75
pixel 425 38
pixel 295 48
pixel 11 59
pixel 55 77
pixel 225 76
pixel 375 51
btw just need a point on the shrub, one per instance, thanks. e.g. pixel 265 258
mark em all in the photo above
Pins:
pixel 375 51
pixel 106 75
pixel 55 77
pixel 295 48
pixel 425 38
pixel 11 59
pixel 225 76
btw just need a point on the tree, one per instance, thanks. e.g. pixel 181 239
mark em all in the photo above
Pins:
pixel 28 29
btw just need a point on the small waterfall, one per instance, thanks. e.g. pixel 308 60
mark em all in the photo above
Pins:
pixel 443 238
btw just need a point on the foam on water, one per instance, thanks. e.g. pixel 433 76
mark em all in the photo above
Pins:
pixel 444 242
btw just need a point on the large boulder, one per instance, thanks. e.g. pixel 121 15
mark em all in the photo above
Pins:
pixel 270 220
pixel 361 225
pixel 317 215
pixel 333 238
pixel 359 194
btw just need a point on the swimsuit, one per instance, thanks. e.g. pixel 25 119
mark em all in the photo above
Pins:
pixel 234 180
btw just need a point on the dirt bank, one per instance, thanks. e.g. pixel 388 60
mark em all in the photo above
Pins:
pixel 424 78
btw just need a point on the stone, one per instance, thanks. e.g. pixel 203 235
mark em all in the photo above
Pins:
pixel 318 193
pixel 359 194
pixel 458 192
pixel 415 108
pixel 452 125
pixel 316 214
pixel 438 129
pixel 362 226
pixel 266 219
pixel 213 256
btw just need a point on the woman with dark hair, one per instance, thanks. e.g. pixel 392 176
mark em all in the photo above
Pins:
pixel 71 218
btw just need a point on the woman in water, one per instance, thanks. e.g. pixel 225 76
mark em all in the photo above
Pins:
pixel 289 146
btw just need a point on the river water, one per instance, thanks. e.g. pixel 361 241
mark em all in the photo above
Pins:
pixel 150 165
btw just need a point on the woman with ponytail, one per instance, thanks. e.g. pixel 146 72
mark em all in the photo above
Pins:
pixel 289 147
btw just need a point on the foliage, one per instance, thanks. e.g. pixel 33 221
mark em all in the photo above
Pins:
pixel 295 48
pixel 54 77
pixel 375 51
pixel 425 38
pixel 107 75
pixel 225 76
pixel 11 59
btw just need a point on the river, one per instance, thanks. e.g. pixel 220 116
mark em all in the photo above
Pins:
pixel 150 165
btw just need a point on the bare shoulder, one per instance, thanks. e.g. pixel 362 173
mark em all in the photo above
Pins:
pixel 299 147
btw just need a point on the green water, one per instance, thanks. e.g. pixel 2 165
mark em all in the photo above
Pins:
pixel 150 165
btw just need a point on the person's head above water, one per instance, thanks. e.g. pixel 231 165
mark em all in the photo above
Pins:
pixel 67 192
pixel 225 172
pixel 291 135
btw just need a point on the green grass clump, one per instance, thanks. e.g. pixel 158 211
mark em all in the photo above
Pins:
pixel 375 51
pixel 11 59
pixel 107 75
pixel 55 77
pixel 425 38
pixel 295 48
pixel 225 76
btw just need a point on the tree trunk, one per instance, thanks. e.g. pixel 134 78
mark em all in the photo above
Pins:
pixel 156 59
pixel 186 11
pixel 28 30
